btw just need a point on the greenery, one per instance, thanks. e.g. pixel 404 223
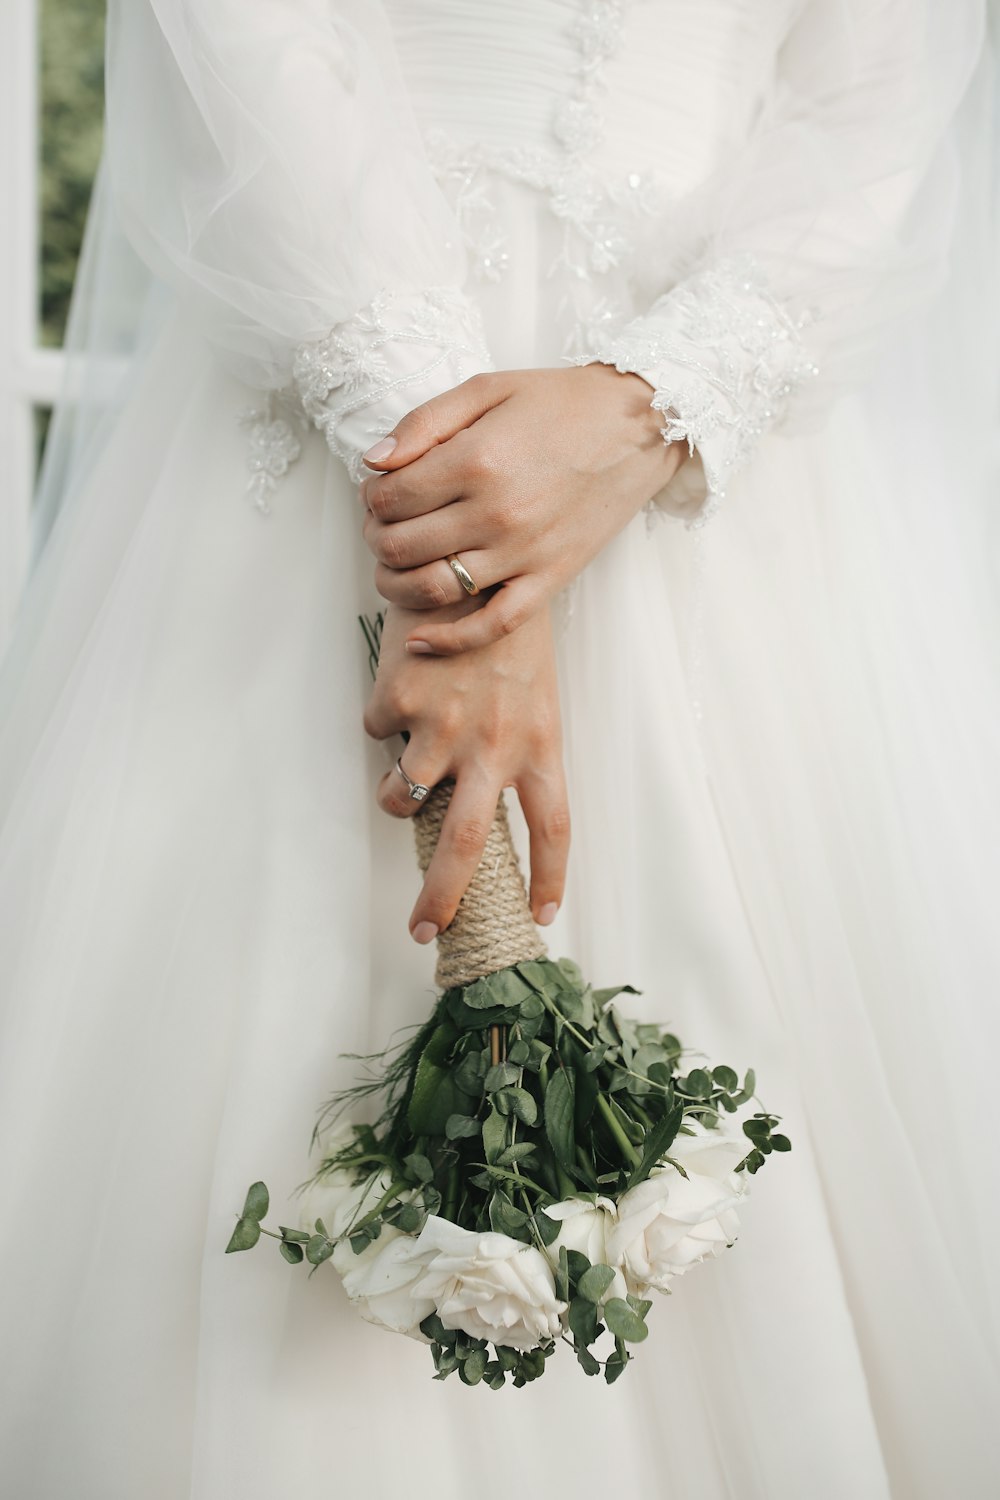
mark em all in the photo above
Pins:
pixel 72 91
pixel 522 1090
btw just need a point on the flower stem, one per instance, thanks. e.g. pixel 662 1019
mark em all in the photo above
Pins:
pixel 625 1146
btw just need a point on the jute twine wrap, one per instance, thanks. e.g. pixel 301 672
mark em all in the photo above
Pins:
pixel 493 927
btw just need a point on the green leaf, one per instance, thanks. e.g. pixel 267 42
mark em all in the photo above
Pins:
pixel 614 1367
pixel 257 1203
pixel 244 1236
pixel 582 1318
pixel 500 1076
pixel 410 1218
pixel 518 1053
pixel 757 1130
pixel 726 1078
pixel 474 1367
pixel 548 1230
pixel 595 1282
pixel 518 1152
pixel 591 1366
pixel 458 1126
pixel 640 1305
pixel 435 1096
pixel 578 1264
pixel 657 1143
pixel 294 1254
pixel 297 1236
pixel 781 1143
pixel 520 1103
pixel 624 1321
pixel 559 1122
pixel 532 1009
pixel 494 1135
pixel 562 1271
pixel 318 1250
pixel 698 1083
pixel 417 1165
pixel 505 988
pixel 504 1217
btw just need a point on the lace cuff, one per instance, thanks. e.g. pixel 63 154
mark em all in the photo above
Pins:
pixel 366 374
pixel 722 358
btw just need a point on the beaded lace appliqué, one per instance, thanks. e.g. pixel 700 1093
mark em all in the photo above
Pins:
pixel 594 214
pixel 274 443
pixel 341 375
pixel 723 357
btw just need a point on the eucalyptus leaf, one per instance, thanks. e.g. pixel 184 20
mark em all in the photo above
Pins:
pixel 419 1166
pixel 590 1365
pixel 582 1318
pixel 459 1126
pixel 257 1203
pixel 294 1254
pixel 624 1321
pixel 594 1283
pixel 318 1250
pixel 500 1076
pixel 244 1236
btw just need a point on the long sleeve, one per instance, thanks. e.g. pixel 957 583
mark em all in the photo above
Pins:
pixel 788 264
pixel 266 165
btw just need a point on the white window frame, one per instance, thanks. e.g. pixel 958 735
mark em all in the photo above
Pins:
pixel 30 376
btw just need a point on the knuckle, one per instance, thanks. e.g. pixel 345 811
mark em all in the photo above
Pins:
pixel 431 591
pixel 389 585
pixel 388 548
pixel 556 824
pixel 419 424
pixel 468 837
pixel 437 908
pixel 381 499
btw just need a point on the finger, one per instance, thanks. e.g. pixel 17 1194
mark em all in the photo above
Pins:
pixel 427 484
pixel 546 812
pixel 456 858
pixel 437 420
pixel 414 544
pixel 382 717
pixel 436 584
pixel 393 794
pixel 512 604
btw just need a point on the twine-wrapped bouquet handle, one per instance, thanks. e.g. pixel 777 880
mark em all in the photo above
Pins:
pixel 493 928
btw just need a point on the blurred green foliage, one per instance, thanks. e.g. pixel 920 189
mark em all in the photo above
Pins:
pixel 71 37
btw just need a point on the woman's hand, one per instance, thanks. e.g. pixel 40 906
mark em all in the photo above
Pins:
pixel 526 474
pixel 489 720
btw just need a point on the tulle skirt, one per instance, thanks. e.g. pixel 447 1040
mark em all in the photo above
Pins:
pixel 786 833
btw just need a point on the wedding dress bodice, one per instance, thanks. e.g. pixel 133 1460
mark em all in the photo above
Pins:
pixel 734 195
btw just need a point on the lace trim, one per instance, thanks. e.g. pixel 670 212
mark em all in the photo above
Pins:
pixel 723 357
pixel 343 380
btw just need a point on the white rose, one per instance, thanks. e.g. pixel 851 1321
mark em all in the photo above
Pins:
pixel 585 1227
pixel 669 1223
pixel 488 1285
pixel 378 1280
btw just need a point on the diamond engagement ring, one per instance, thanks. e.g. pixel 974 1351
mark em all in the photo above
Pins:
pixel 417 789
pixel 462 573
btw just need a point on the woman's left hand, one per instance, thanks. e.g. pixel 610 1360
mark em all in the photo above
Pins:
pixel 525 474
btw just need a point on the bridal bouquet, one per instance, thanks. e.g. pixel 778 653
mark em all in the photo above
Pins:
pixel 538 1163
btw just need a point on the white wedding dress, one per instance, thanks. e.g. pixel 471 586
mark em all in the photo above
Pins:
pixel 782 730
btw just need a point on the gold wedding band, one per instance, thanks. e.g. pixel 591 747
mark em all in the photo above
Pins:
pixel 462 573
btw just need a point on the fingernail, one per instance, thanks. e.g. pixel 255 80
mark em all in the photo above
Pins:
pixel 420 648
pixel 380 452
pixel 547 915
pixel 424 932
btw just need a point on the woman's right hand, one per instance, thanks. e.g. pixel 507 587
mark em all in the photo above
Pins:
pixel 489 719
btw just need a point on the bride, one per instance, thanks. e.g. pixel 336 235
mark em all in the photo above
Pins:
pixel 572 330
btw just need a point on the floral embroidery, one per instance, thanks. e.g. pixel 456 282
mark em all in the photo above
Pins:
pixel 723 357
pixel 340 377
pixel 274 444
